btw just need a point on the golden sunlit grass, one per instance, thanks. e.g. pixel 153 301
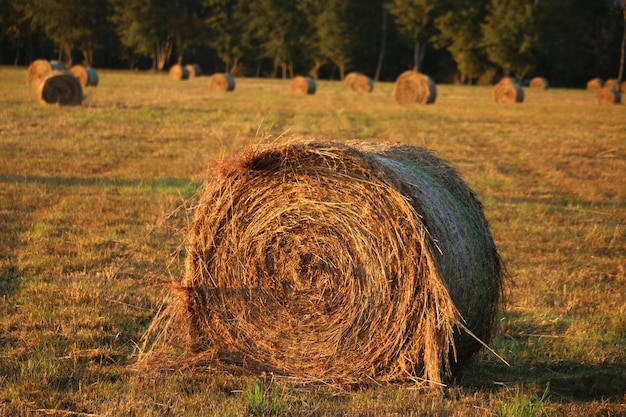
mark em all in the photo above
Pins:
pixel 94 200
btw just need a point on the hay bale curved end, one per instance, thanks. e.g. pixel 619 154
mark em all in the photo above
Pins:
pixel 302 85
pixel 539 83
pixel 178 72
pixel 608 96
pixel 61 87
pixel 595 84
pixel 509 91
pixel 87 76
pixel 335 262
pixel 39 69
pixel 194 70
pixel 414 87
pixel 358 82
pixel 222 82
pixel 622 88
pixel 612 83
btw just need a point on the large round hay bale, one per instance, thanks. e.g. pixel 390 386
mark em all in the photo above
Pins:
pixel 508 90
pixel 61 87
pixel 539 83
pixel 612 83
pixel 302 85
pixel 595 84
pixel 358 82
pixel 39 69
pixel 608 96
pixel 339 262
pixel 194 70
pixel 87 76
pixel 414 87
pixel 178 72
pixel 222 82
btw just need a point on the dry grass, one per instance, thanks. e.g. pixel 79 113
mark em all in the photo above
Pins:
pixel 94 198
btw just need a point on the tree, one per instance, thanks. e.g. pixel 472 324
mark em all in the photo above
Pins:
pixel 150 27
pixel 459 31
pixel 415 21
pixel 70 24
pixel 282 30
pixel 510 35
pixel 334 31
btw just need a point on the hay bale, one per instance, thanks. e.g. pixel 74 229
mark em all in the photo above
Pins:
pixel 39 69
pixel 623 87
pixel 508 90
pixel 608 96
pixel 612 83
pixel 194 70
pixel 358 82
pixel 595 84
pixel 61 87
pixel 302 85
pixel 339 262
pixel 87 76
pixel 539 83
pixel 178 72
pixel 414 87
pixel 222 82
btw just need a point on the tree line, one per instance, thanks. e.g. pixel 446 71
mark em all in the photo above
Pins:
pixel 470 41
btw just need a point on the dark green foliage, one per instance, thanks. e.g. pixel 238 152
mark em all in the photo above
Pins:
pixel 481 39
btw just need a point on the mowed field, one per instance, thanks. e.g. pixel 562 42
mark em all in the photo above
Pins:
pixel 94 201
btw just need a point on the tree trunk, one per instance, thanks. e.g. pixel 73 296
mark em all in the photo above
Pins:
pixel 383 46
pixel 416 54
pixel 342 71
pixel 620 75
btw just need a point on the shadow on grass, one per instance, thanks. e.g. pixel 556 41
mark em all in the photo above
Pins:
pixel 156 184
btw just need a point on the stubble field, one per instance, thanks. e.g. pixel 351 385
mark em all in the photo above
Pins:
pixel 94 201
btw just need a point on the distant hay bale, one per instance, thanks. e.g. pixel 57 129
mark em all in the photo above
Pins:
pixel 222 82
pixel 87 76
pixel 414 87
pixel 39 69
pixel 539 83
pixel 178 72
pixel 623 87
pixel 335 262
pixel 194 70
pixel 608 96
pixel 508 90
pixel 595 84
pixel 302 85
pixel 612 83
pixel 358 82
pixel 61 87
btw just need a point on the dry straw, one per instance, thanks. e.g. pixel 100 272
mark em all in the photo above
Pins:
pixel 178 72
pixel 61 87
pixel 414 87
pixel 87 76
pixel 358 82
pixel 612 83
pixel 194 70
pixel 222 82
pixel 334 262
pixel 595 84
pixel 302 85
pixel 539 83
pixel 39 69
pixel 608 96
pixel 508 90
